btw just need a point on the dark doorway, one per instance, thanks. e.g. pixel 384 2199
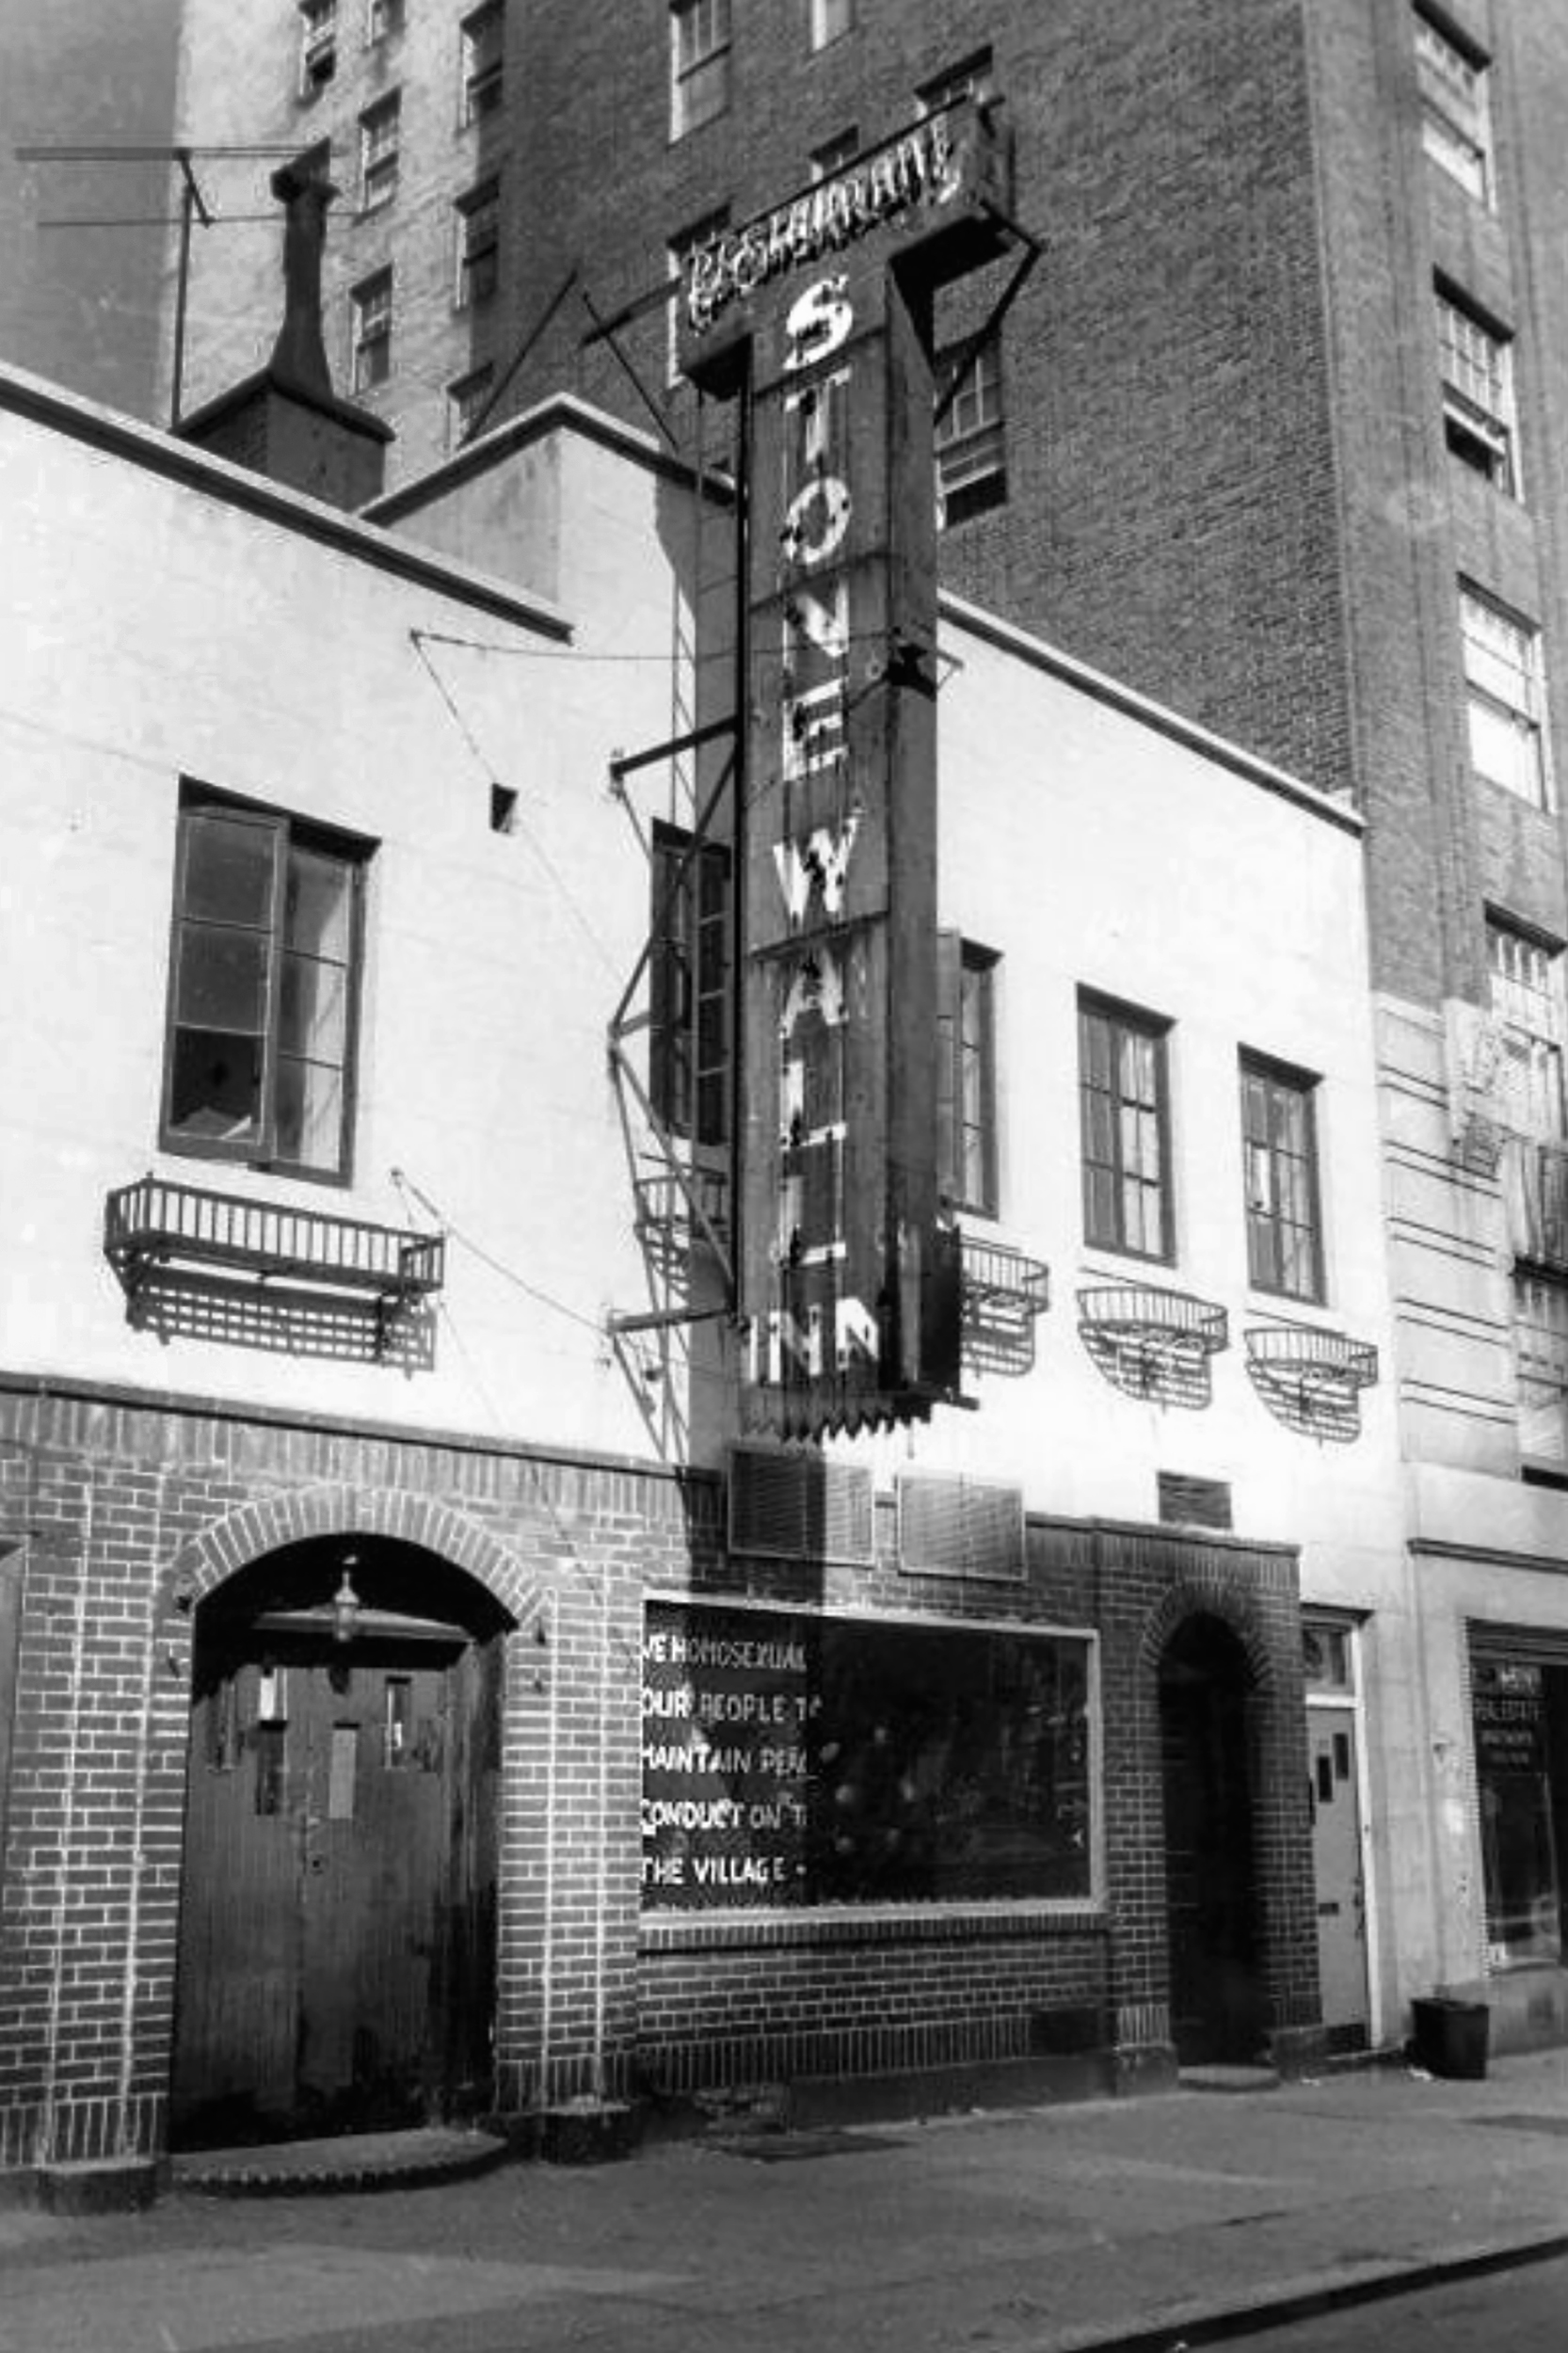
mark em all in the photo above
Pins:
pixel 338 1924
pixel 1217 2009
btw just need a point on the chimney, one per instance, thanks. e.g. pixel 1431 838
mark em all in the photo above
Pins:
pixel 286 422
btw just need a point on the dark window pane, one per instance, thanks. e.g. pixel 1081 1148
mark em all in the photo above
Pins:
pixel 228 869
pixel 216 1086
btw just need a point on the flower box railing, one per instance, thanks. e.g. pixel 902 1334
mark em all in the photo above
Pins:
pixel 156 1224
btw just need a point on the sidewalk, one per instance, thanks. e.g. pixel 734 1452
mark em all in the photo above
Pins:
pixel 1136 2223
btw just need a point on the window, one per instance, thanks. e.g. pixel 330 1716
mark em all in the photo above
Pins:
pixel 1541 1350
pixel 679 250
pixel 318 45
pixel 970 79
pixel 930 1763
pixel 967 1074
pixel 372 315
pixel 830 21
pixel 483 42
pixel 699 63
pixel 834 153
pixel 1125 1112
pixel 264 980
pixel 478 245
pixel 1504 698
pixel 378 138
pixel 1478 393
pixel 689 1040
pixel 1519 1716
pixel 382 19
pixel 1528 1000
pixel 971 460
pixel 466 403
pixel 1279 1154
pixel 1455 133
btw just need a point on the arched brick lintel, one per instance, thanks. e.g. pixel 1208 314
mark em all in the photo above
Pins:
pixel 231 1544
pixel 1195 1595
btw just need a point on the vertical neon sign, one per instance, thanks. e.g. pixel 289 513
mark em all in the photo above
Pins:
pixel 819 314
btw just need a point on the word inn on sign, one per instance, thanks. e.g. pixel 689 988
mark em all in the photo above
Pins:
pixel 848 1276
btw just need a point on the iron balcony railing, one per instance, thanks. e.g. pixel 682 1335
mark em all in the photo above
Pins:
pixel 155 1223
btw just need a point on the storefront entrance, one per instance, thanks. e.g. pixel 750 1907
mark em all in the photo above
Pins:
pixel 337 1944
pixel 1217 2011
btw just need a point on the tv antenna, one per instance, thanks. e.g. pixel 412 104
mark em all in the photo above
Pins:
pixel 193 207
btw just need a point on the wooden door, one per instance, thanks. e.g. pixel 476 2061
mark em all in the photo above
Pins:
pixel 1216 2004
pixel 339 1887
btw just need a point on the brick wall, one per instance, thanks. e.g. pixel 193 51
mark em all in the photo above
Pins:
pixel 131 1512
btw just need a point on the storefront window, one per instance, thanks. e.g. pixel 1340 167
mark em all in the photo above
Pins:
pixel 794 1760
pixel 1521 1724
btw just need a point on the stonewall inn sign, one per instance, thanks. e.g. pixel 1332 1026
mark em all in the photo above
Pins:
pixel 818 317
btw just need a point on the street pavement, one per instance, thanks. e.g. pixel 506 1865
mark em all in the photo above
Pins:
pixel 1147 2223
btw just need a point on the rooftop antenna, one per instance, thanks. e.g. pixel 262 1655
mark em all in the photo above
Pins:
pixel 193 207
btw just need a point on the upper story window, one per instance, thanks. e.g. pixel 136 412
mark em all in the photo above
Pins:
pixel 689 980
pixel 380 128
pixel 699 63
pixel 1279 1156
pixel 259 1062
pixel 478 244
pixel 1505 697
pixel 1476 361
pixel 318 44
pixel 371 312
pixel 1541 1354
pixel 830 21
pixel 382 19
pixel 971 455
pixel 466 403
pixel 970 78
pixel 1123 1105
pixel 482 42
pixel 834 153
pixel 1455 129
pixel 966 1075
pixel 1526 998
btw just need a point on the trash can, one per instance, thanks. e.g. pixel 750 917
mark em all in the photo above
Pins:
pixel 1450 2036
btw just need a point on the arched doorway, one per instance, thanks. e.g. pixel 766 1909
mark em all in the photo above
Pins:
pixel 337 1948
pixel 1217 2007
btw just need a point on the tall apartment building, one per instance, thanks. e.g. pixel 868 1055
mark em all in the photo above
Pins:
pixel 1271 430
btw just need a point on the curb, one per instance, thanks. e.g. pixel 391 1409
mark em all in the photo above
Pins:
pixel 1191 2325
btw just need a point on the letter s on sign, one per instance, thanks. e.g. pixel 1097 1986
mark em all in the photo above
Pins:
pixel 819 321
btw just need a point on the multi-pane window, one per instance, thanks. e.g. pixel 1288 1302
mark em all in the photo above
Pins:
pixel 478 244
pixel 689 978
pixel 382 19
pixel 1527 997
pixel 1541 1351
pixel 699 63
pixel 966 1075
pixel 971 454
pixel 1125 1112
pixel 1455 131
pixel 258 1064
pixel 371 315
pixel 379 150
pixel 318 44
pixel 466 403
pixel 482 46
pixel 1505 697
pixel 830 21
pixel 1478 393
pixel 1279 1159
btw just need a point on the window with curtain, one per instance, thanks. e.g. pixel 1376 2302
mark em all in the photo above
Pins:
pixel 1279 1156
pixel 259 1063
